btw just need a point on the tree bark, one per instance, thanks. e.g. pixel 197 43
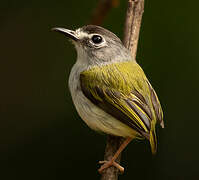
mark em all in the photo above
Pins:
pixel 133 20
pixel 112 145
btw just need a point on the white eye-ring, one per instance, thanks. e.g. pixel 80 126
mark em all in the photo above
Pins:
pixel 97 40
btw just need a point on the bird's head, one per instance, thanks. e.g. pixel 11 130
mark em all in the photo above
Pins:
pixel 96 45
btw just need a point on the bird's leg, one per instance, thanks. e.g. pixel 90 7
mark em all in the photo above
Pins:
pixel 107 164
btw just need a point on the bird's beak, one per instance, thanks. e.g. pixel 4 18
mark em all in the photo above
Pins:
pixel 69 33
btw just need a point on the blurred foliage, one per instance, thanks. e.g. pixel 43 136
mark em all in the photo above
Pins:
pixel 41 135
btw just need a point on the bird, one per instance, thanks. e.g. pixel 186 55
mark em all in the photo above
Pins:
pixel 110 90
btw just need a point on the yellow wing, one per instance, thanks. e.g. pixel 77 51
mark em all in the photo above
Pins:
pixel 122 90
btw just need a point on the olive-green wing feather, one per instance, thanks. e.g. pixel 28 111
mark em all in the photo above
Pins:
pixel 156 106
pixel 121 107
pixel 122 90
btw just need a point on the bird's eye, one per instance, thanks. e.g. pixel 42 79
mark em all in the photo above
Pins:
pixel 97 39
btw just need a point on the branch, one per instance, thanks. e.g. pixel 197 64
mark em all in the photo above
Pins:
pixel 102 9
pixel 112 145
pixel 134 13
pixel 133 21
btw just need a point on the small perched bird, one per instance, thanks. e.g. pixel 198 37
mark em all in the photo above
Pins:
pixel 110 90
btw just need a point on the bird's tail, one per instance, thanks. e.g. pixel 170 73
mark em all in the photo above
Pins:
pixel 153 140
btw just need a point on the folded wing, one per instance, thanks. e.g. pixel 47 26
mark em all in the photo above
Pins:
pixel 125 95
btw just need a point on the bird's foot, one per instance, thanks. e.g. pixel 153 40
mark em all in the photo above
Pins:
pixel 107 164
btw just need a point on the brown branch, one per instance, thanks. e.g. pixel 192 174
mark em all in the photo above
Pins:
pixel 132 25
pixel 101 11
pixel 134 13
pixel 112 145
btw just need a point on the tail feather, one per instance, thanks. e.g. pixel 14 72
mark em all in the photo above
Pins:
pixel 153 141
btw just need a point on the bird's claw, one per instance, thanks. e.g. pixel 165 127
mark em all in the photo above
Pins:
pixel 107 164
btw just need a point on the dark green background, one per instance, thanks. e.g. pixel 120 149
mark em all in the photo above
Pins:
pixel 41 135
